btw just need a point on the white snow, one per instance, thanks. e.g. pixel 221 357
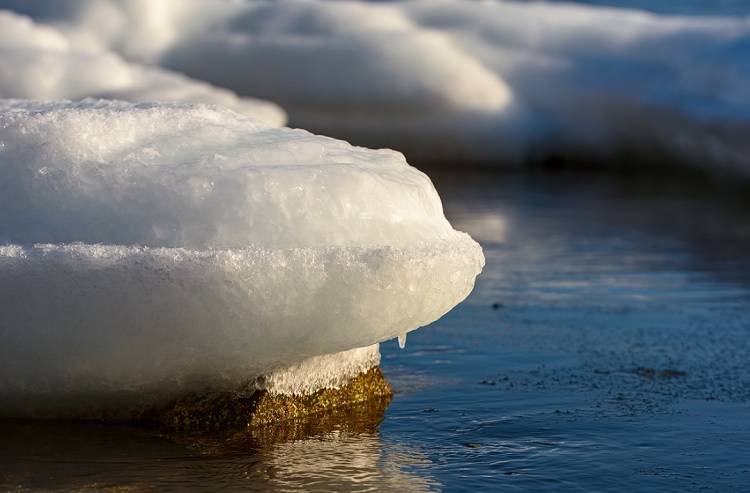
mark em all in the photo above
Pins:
pixel 353 70
pixel 453 80
pixel 39 62
pixel 612 84
pixel 370 75
pixel 152 249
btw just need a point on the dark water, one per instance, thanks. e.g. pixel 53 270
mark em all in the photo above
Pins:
pixel 605 348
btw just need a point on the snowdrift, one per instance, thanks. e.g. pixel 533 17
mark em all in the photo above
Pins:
pixel 39 62
pixel 494 82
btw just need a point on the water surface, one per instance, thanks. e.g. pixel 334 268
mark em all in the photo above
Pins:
pixel 605 348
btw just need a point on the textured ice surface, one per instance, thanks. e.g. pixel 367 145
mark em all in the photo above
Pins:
pixel 39 62
pixel 172 175
pixel 321 372
pixel 497 81
pixel 158 248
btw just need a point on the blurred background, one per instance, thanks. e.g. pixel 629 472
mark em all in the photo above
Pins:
pixel 599 152
pixel 456 84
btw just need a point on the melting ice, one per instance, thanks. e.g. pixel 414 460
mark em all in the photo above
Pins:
pixel 402 340
pixel 150 249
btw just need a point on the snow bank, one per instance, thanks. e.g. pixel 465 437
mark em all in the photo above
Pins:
pixel 494 81
pixel 152 249
pixel 39 62
pixel 613 84
pixel 354 70
pixel 370 75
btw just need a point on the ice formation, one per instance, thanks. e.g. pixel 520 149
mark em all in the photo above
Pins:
pixel 39 62
pixel 151 249
pixel 495 81
pixel 320 372
pixel 354 70
pixel 402 340
pixel 614 85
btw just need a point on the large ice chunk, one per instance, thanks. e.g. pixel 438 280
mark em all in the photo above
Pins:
pixel 152 249
pixel 39 62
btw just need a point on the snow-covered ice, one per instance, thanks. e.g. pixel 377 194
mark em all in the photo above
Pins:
pixel 40 62
pixel 613 85
pixel 494 81
pixel 352 70
pixel 151 249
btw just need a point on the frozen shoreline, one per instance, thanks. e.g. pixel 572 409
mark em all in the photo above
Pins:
pixel 494 83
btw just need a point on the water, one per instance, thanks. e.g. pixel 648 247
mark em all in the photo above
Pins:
pixel 605 348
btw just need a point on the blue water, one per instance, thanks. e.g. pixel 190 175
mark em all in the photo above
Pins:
pixel 605 348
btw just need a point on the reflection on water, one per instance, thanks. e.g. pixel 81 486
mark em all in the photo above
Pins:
pixel 604 348
pixel 337 462
pixel 337 452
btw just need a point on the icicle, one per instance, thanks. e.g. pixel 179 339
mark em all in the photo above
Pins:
pixel 402 340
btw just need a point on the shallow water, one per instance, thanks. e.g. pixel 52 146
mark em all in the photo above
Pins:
pixel 604 348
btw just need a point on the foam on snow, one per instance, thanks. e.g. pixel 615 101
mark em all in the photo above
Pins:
pixel 152 249
pixel 496 81
pixel 39 62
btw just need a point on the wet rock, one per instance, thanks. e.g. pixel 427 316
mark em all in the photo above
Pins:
pixel 227 410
